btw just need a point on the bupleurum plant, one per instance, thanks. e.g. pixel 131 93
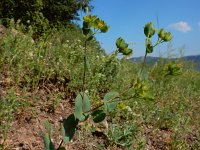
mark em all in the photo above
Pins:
pixel 140 86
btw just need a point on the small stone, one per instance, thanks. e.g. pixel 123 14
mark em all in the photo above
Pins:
pixel 25 147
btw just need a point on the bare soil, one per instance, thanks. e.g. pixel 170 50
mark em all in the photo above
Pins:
pixel 29 124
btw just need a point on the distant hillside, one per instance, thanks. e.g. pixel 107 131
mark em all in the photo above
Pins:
pixel 151 60
pixel 195 59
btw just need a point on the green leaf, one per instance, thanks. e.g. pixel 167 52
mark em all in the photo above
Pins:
pixel 101 25
pixel 110 101
pixel 98 116
pixel 89 19
pixel 149 48
pixel 48 127
pixel 104 29
pixel 143 89
pixel 69 127
pixel 48 145
pixel 90 35
pixel 82 105
pixel 86 31
pixel 127 51
pixel 62 148
pixel 149 30
pixel 149 96
pixel 143 74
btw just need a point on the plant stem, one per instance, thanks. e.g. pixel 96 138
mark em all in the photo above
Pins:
pixel 84 72
pixel 144 61
pixel 145 57
pixel 84 66
pixel 60 145
pixel 109 101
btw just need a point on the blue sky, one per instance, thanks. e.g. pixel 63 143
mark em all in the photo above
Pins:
pixel 127 18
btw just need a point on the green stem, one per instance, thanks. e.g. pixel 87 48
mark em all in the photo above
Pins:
pixel 84 71
pixel 110 100
pixel 60 145
pixel 84 66
pixel 144 61
pixel 158 42
pixel 145 57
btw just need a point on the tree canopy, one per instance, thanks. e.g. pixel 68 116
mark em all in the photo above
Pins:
pixel 40 13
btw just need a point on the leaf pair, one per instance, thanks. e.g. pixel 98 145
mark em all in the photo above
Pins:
pixel 69 128
pixel 82 106
pixel 149 46
pixel 110 102
pixel 48 145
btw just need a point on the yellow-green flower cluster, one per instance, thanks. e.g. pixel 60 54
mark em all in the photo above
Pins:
pixel 142 89
pixel 93 22
pixel 123 46
pixel 165 36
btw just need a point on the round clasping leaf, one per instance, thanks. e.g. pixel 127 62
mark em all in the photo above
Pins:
pixel 82 105
pixel 48 145
pixel 69 127
pixel 111 100
pixel 98 116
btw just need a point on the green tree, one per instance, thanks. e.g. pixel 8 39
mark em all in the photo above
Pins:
pixel 42 13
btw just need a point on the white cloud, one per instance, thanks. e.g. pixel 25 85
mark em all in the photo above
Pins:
pixel 199 23
pixel 181 26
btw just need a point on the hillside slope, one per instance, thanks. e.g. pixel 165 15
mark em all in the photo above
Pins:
pixel 151 60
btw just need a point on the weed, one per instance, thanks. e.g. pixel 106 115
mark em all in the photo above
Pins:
pixel 91 26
